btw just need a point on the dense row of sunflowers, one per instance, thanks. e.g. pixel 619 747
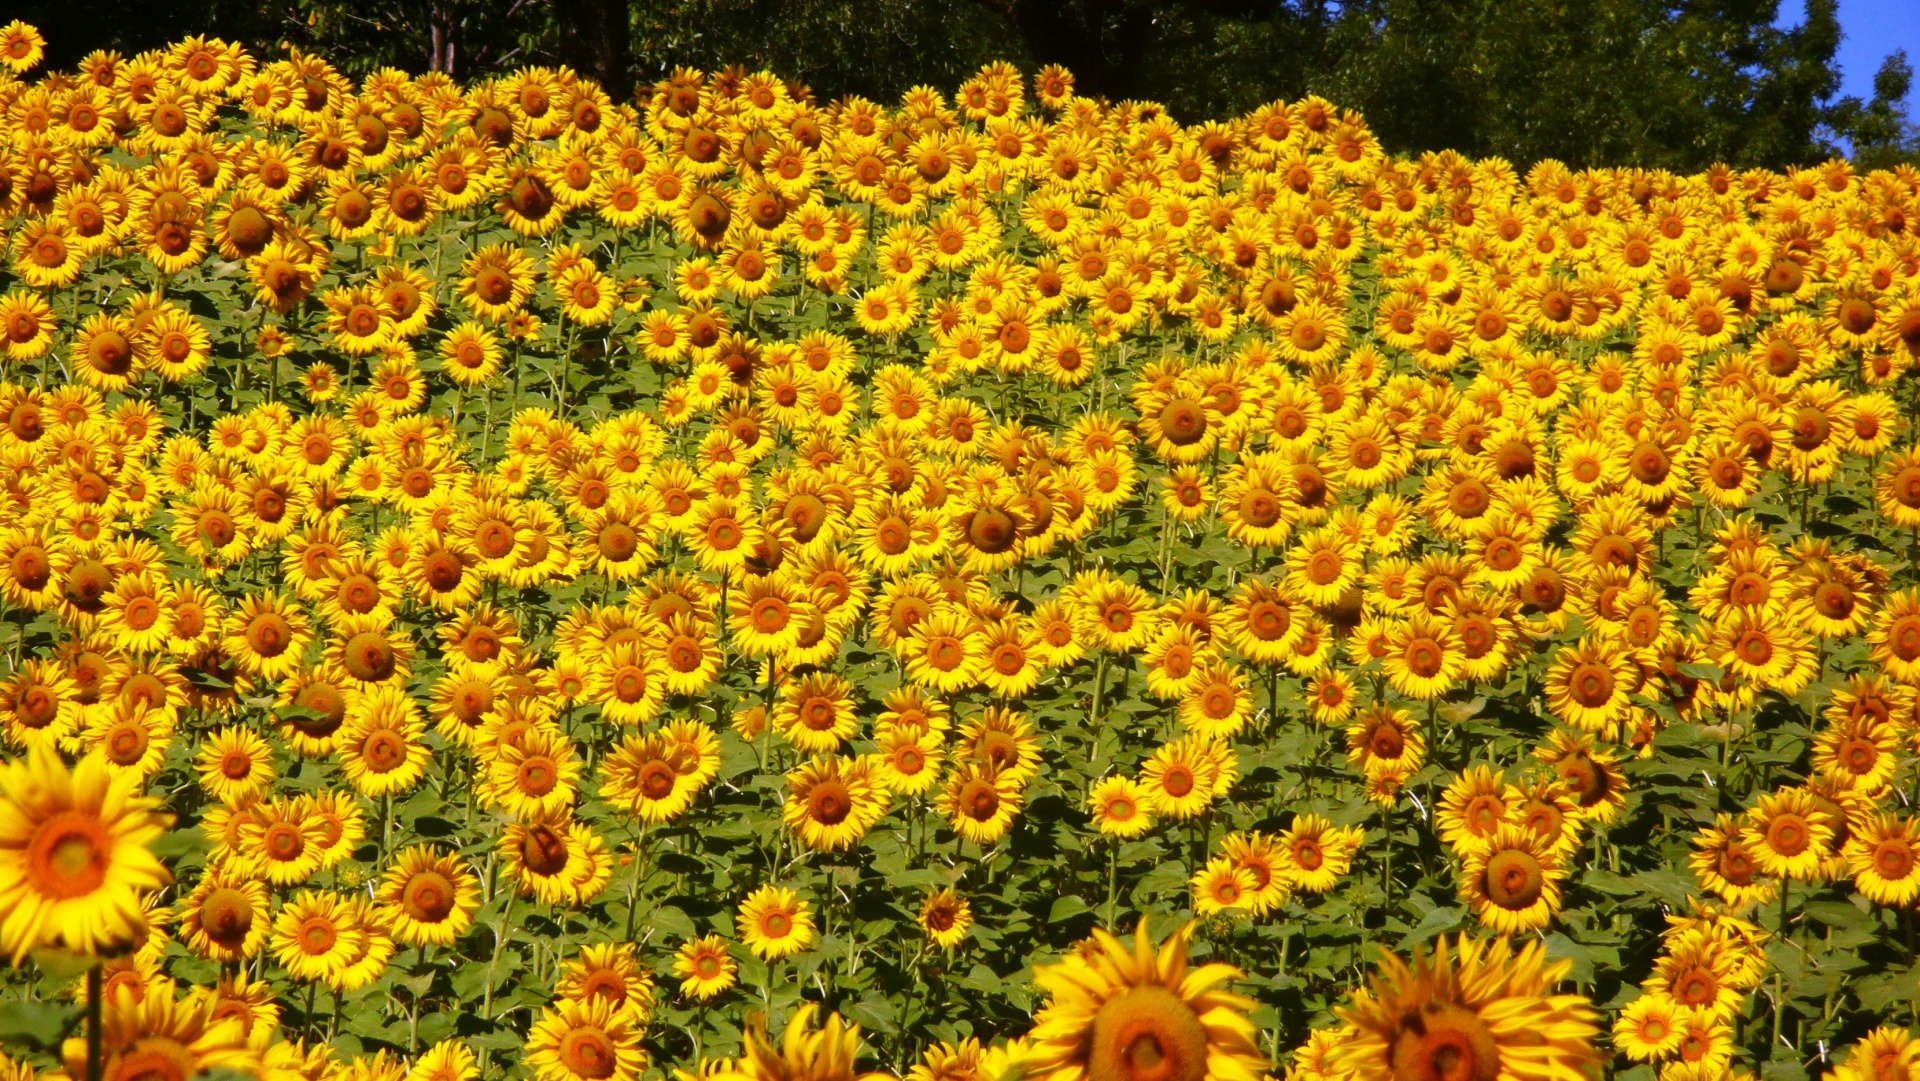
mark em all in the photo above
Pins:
pixel 503 582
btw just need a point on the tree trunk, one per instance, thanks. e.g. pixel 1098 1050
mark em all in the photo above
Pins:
pixel 594 41
pixel 443 27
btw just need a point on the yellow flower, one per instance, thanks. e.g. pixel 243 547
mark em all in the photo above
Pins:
pixel 1137 1013
pixel 945 918
pixel 1472 1008
pixel 138 1031
pixel 774 923
pixel 832 802
pixel 706 967
pixel 74 855
pixel 1119 807
pixel 428 898
pixel 585 1040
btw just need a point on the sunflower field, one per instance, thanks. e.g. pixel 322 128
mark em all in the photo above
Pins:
pixel 497 582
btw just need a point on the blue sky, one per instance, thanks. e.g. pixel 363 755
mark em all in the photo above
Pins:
pixel 1872 29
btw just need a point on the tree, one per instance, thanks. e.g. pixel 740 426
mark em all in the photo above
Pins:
pixel 1675 84
pixel 1881 134
pixel 1649 82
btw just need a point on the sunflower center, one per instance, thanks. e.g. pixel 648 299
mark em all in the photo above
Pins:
pixel 537 776
pixel 1514 879
pixel 1696 987
pixel 1183 421
pixel 384 751
pixel 1591 685
pixel 428 897
pixel 979 800
pixel 829 803
pixel 68 856
pixel 587 1052
pixel 226 916
pixel 1443 1042
pixel 369 657
pixel 1893 859
pixel 1146 1033
pixel 1788 835
pixel 656 780
pixel 544 851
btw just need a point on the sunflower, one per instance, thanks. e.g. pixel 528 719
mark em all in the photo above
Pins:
pixel 1513 882
pixel 26 325
pixel 832 802
pixel 1472 1009
pixel 225 917
pixel 1260 857
pixel 157 1031
pixel 559 862
pixel 1384 743
pixel 1860 755
pixel 706 967
pixel 428 898
pixel 1138 1013
pixel 448 1060
pixel 946 651
pixel 74 855
pixel 268 636
pixel 470 355
pixel 1424 658
pixel 651 777
pixel 1222 887
pixel 945 918
pixel 1883 853
pixel 585 1040
pixel 1180 778
pixel 1589 775
pixel 40 705
pixel 1700 971
pixel 774 923
pixel 1220 703
pixel 1472 809
pixel 132 736
pixel 235 766
pixel 1588 684
pixel 1765 651
pixel 1789 833
pixel 1118 805
pixel 1649 1029
pixel 380 744
pixel 628 684
pixel 279 841
pixel 1887 1053
pixel 909 759
pixel 980 802
pixel 1260 622
pixel 816 713
pixel 535 777
pixel 1314 853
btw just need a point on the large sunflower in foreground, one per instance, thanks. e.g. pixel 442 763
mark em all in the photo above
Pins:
pixel 74 856
pixel 1121 1014
pixel 1476 1012
pixel 806 1053
pixel 154 1034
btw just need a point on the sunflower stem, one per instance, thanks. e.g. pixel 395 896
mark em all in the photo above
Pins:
pixel 1113 874
pixel 1386 861
pixel 1099 688
pixel 94 1064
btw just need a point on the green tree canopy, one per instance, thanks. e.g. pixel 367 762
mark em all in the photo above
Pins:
pixel 1663 83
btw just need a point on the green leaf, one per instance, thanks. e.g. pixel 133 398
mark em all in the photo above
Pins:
pixel 40 1024
pixel 1066 908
